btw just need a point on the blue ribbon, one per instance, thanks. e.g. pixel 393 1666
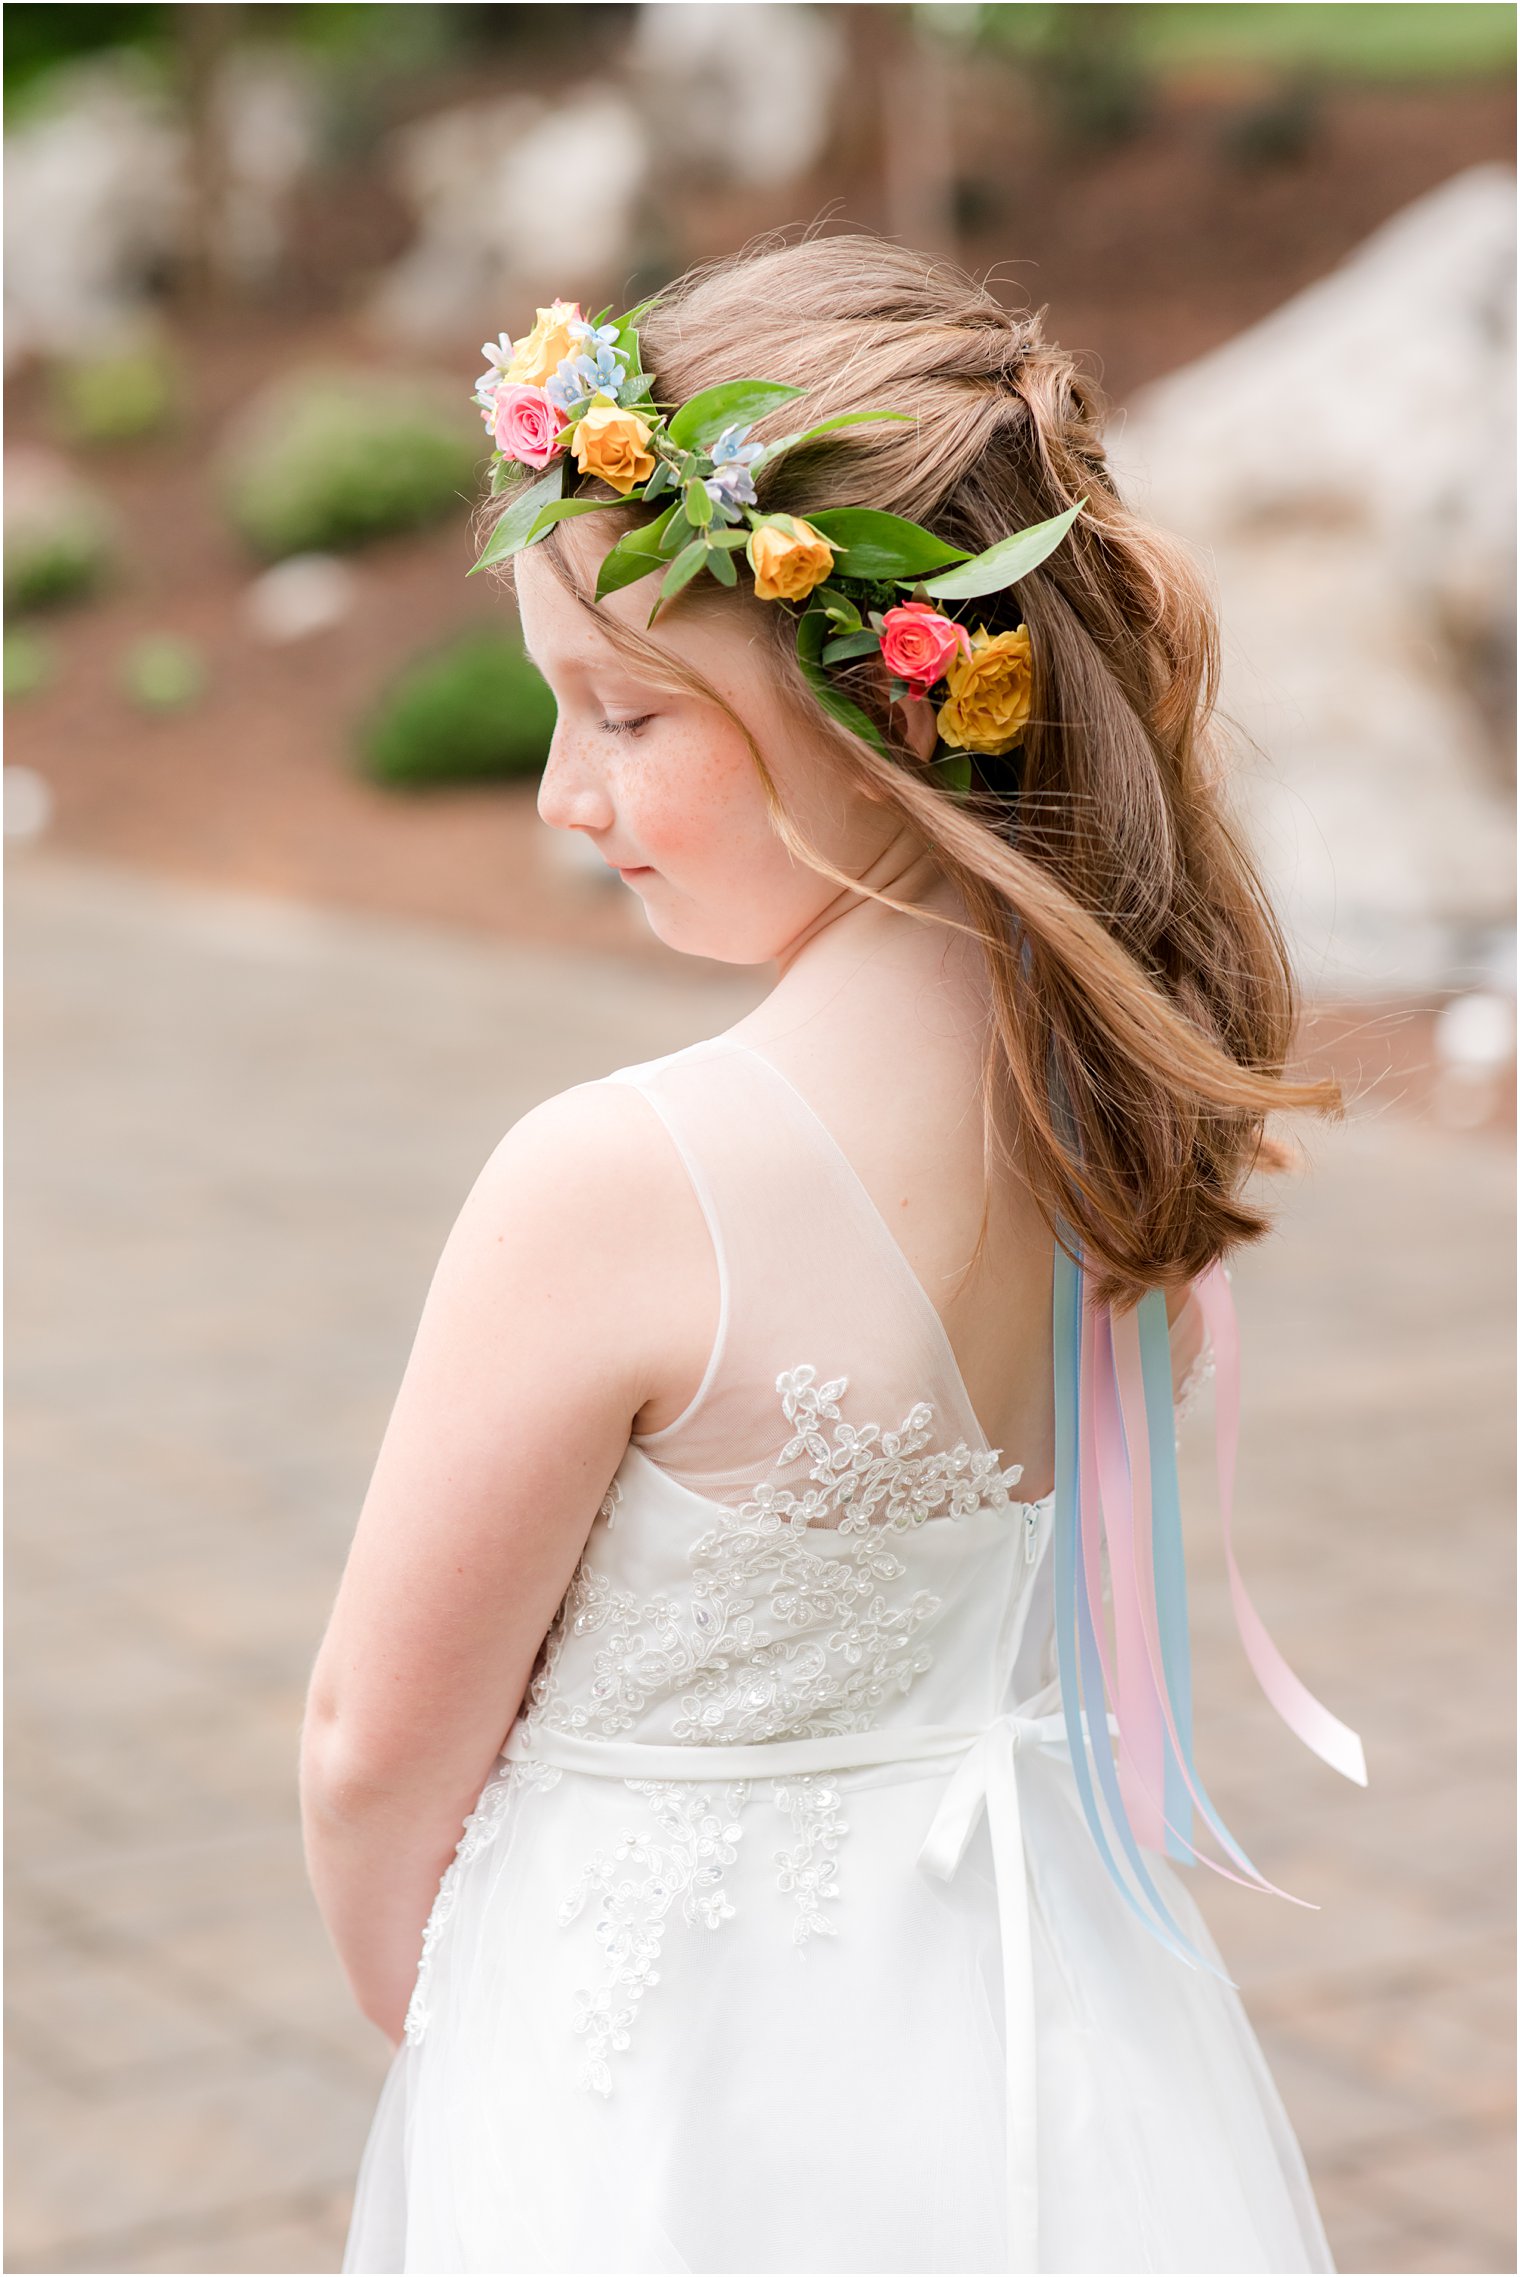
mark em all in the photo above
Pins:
pixel 1076 1639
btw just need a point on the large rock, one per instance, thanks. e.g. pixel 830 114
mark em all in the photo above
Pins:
pixel 1346 471
pixel 516 199
pixel 100 194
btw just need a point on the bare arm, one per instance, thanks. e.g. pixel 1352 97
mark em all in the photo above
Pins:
pixel 540 1339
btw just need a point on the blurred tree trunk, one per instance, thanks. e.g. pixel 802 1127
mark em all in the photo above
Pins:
pixel 896 132
pixel 206 31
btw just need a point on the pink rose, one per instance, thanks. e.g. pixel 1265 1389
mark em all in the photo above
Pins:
pixel 919 645
pixel 526 424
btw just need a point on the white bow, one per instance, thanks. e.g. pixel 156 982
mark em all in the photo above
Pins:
pixel 986 1775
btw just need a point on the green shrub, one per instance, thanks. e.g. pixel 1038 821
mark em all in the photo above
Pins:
pixel 29 663
pixel 331 460
pixel 58 538
pixel 163 673
pixel 476 711
pixel 126 390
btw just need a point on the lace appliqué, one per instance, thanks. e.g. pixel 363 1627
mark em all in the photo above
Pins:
pixel 683 1860
pixel 796 1625
pixel 807 1871
pixel 783 1635
pixel 481 1828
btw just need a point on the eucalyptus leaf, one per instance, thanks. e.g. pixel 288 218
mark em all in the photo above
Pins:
pixel 1006 562
pixel 872 544
pixel 722 565
pixel 675 533
pixel 699 505
pixel 681 572
pixel 702 420
pixel 511 532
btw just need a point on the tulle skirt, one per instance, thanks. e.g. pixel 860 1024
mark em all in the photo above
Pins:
pixel 798 2064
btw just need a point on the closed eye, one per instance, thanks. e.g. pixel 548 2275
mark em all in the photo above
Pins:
pixel 626 726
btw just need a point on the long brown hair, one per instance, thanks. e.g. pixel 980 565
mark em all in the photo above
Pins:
pixel 1144 1003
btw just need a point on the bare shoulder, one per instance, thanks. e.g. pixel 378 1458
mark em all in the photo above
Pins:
pixel 579 1148
pixel 587 1204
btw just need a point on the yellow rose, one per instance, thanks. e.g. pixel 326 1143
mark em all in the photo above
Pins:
pixel 990 693
pixel 614 443
pixel 788 560
pixel 538 355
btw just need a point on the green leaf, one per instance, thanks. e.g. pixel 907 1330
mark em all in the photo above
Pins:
pixel 839 605
pixel 722 566
pixel 635 555
pixel 564 509
pixel 632 315
pixel 681 572
pixel 734 540
pixel 675 533
pixel 511 532
pixel 823 427
pixel 851 644
pixel 699 505
pixel 702 420
pixel 1006 562
pixel 873 544
pixel 620 569
pixel 812 628
pixel 954 771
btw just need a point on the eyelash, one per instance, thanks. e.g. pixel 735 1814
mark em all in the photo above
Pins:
pixel 626 726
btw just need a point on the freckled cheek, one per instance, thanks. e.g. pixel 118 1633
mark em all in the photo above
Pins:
pixel 700 807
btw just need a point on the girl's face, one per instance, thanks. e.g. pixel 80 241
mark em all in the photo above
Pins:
pixel 663 784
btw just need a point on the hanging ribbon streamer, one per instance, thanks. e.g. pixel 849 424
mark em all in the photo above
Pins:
pixel 1116 1487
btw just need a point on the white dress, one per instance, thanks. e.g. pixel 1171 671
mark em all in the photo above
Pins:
pixel 733 1969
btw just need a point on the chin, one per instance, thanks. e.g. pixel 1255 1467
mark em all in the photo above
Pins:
pixel 694 933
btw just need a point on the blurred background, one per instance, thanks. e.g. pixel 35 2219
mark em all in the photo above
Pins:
pixel 290 948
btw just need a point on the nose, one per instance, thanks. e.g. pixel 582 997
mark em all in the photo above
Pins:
pixel 571 792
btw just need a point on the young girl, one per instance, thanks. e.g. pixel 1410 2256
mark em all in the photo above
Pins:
pixel 779 1440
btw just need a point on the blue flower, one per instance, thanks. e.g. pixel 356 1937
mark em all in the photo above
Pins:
pixel 610 369
pixel 575 377
pixel 730 485
pixel 730 448
pixel 603 334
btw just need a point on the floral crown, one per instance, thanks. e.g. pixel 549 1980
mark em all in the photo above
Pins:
pixel 571 393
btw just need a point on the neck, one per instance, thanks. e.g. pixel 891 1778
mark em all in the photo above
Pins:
pixel 856 938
